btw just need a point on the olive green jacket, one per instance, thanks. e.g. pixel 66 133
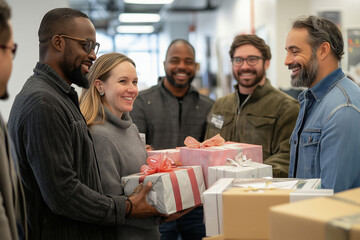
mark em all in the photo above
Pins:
pixel 267 118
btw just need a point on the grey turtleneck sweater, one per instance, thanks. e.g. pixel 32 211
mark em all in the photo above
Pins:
pixel 121 152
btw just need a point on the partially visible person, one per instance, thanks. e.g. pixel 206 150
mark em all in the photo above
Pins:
pixel 326 141
pixel 12 200
pixel 256 113
pixel 120 150
pixel 57 160
pixel 169 112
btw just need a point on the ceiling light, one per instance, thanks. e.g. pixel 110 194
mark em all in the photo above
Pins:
pixel 135 29
pixel 139 17
pixel 149 1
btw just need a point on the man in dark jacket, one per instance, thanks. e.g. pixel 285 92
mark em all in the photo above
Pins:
pixel 56 154
pixel 169 112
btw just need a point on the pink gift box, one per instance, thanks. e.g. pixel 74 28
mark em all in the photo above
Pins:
pixel 216 156
pixel 172 153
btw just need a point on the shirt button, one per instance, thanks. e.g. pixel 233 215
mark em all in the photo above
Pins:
pixel 148 102
pixel 294 141
pixel 310 139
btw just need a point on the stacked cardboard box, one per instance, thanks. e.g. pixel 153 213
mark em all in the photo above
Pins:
pixel 239 208
pixel 336 217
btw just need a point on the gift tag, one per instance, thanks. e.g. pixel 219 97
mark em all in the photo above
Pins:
pixel 217 120
pixel 142 137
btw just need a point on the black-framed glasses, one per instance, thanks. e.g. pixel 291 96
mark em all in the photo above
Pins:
pixel 251 60
pixel 87 44
pixel 13 48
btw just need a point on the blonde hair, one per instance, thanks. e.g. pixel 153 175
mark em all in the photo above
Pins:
pixel 91 103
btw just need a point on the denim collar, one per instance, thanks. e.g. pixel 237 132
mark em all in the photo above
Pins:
pixel 326 84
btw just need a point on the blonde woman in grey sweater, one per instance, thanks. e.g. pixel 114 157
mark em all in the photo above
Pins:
pixel 119 149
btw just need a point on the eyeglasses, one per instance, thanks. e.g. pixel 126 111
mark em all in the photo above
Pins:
pixel 87 44
pixel 251 61
pixel 13 48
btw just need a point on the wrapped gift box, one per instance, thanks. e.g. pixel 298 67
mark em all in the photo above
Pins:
pixel 172 153
pixel 250 170
pixel 213 199
pixel 171 191
pixel 216 156
pixel 336 217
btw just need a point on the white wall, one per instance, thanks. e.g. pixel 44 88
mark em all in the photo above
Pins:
pixel 273 20
pixel 26 18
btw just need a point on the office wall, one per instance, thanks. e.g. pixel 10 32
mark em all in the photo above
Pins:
pixel 273 20
pixel 26 18
pixel 214 32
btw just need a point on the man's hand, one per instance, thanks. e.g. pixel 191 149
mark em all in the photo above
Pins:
pixel 140 207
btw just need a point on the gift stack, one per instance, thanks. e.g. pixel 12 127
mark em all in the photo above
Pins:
pixel 239 208
pixel 244 160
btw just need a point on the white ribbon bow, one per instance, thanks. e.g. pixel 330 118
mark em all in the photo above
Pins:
pixel 240 161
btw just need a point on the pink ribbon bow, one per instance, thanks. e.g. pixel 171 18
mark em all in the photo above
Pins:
pixel 156 164
pixel 217 140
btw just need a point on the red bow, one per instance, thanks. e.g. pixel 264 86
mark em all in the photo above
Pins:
pixel 156 164
pixel 217 140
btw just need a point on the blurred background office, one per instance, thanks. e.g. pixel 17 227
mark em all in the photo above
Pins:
pixel 209 25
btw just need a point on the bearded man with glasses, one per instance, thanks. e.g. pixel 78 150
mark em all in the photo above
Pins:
pixel 57 159
pixel 256 112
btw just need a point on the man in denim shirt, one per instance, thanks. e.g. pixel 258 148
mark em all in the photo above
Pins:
pixel 326 140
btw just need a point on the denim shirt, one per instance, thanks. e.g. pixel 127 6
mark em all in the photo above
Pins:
pixel 326 140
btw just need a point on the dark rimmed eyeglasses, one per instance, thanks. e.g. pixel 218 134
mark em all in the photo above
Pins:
pixel 88 44
pixel 13 48
pixel 251 61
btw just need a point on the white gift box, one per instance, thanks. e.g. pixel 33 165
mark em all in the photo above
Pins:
pixel 213 198
pixel 171 191
pixel 250 170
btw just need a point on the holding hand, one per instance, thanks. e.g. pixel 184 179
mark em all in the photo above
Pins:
pixel 137 206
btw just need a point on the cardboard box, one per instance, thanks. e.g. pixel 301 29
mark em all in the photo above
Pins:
pixel 216 156
pixel 171 191
pixel 336 217
pixel 246 210
pixel 251 170
pixel 172 153
pixel 213 198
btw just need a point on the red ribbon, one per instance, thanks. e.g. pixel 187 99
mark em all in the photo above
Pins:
pixel 156 164
pixel 160 163
pixel 217 140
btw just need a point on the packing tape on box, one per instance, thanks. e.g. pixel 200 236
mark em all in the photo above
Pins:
pixel 339 228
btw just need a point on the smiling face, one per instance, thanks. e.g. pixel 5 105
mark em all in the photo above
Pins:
pixel 180 65
pixel 76 62
pixel 120 88
pixel 249 76
pixel 300 58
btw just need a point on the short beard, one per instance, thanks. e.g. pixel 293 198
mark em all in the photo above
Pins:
pixel 308 73
pixel 174 84
pixel 75 75
pixel 259 76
